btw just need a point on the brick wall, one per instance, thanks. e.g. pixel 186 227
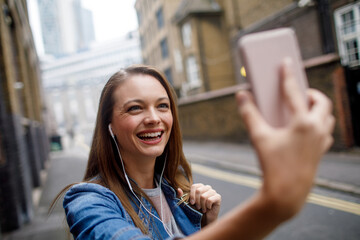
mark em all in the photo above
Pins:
pixel 252 11
pixel 213 116
pixel 323 78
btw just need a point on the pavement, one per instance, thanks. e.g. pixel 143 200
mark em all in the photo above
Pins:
pixel 337 171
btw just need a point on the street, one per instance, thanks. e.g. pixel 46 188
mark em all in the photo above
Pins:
pixel 316 221
pixel 328 214
pixel 56 62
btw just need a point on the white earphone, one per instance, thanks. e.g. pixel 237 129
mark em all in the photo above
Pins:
pixel 110 130
pixel 131 189
pixel 122 164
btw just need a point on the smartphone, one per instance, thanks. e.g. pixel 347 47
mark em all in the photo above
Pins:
pixel 262 54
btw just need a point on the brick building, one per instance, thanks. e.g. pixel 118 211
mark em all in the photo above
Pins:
pixel 160 39
pixel 23 141
pixel 185 39
pixel 205 43
pixel 328 35
pixel 205 47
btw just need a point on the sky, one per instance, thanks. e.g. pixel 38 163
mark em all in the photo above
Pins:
pixel 112 19
pixel 119 14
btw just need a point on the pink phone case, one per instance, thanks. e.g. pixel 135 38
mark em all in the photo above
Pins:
pixel 262 54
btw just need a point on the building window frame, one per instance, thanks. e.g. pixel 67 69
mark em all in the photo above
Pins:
pixel 139 17
pixel 192 73
pixel 178 61
pixel 164 48
pixel 186 34
pixel 347 22
pixel 160 18
pixel 169 76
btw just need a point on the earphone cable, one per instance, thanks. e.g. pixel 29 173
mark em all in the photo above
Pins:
pixel 131 189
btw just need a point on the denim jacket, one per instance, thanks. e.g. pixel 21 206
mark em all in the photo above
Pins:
pixel 95 212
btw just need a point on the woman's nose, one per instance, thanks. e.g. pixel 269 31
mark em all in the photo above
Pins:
pixel 152 117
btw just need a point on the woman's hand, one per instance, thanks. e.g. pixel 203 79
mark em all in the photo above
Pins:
pixel 289 156
pixel 205 199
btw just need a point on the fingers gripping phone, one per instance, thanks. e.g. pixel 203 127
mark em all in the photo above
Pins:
pixel 262 54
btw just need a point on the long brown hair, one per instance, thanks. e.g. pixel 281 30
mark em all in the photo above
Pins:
pixel 103 163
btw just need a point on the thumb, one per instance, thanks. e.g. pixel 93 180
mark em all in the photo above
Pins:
pixel 180 192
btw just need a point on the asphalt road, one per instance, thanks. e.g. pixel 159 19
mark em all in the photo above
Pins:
pixel 329 215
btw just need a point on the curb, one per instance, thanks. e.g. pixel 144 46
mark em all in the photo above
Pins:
pixel 254 171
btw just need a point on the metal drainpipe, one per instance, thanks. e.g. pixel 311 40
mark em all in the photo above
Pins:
pixel 204 67
pixel 326 29
pixel 236 14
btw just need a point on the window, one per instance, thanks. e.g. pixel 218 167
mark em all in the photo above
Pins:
pixel 178 61
pixel 160 18
pixel 192 72
pixel 139 18
pixel 347 21
pixel 168 76
pixel 142 42
pixel 164 48
pixel 352 50
pixel 186 34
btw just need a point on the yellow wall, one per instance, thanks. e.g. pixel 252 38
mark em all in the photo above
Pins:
pixel 216 56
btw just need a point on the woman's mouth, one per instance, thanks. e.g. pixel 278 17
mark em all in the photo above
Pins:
pixel 150 136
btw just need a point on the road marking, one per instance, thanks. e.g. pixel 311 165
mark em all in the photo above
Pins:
pixel 317 199
pixel 334 203
pixel 226 176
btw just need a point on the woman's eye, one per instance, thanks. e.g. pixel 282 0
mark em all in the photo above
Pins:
pixel 134 108
pixel 164 105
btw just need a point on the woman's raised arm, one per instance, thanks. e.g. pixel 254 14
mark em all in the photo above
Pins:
pixel 288 157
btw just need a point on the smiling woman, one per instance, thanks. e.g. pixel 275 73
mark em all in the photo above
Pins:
pixel 137 172
pixel 138 184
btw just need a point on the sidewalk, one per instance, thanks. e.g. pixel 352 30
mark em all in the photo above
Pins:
pixel 338 171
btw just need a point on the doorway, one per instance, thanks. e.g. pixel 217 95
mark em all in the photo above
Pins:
pixel 353 89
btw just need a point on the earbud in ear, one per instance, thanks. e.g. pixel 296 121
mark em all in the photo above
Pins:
pixel 110 130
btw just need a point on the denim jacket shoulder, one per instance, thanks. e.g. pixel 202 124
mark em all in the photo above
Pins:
pixel 95 212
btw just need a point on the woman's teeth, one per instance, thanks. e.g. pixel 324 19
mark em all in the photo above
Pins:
pixel 150 135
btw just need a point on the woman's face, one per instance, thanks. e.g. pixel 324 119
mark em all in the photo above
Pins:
pixel 142 117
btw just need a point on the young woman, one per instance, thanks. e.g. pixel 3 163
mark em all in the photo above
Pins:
pixel 138 184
